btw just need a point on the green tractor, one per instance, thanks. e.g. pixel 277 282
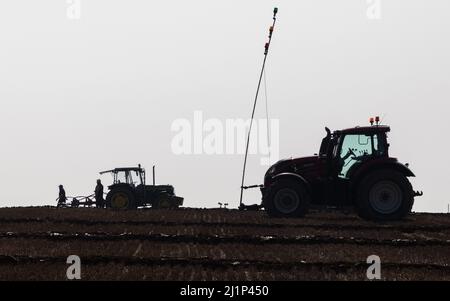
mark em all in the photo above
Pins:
pixel 129 191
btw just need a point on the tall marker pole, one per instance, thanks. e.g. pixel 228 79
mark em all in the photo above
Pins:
pixel 266 51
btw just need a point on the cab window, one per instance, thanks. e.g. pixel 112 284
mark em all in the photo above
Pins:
pixel 357 148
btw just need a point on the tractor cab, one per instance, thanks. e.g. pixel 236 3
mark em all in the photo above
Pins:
pixel 132 176
pixel 350 149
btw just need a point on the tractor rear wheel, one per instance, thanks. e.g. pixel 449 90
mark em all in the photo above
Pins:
pixel 120 199
pixel 384 195
pixel 287 198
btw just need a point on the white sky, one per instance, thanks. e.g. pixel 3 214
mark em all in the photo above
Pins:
pixel 80 96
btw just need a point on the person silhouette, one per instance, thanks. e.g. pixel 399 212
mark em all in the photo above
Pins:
pixel 62 197
pixel 99 201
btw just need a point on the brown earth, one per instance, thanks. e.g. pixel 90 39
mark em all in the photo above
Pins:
pixel 218 244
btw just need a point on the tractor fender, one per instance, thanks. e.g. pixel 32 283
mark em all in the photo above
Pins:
pixel 294 176
pixel 359 174
pixel 122 185
pixel 404 169
pixel 395 165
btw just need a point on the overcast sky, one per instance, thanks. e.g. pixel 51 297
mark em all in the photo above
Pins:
pixel 84 90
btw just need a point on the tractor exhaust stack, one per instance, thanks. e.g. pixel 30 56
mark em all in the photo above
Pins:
pixel 154 180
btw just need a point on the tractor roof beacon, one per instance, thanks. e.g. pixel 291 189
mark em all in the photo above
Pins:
pixel 129 190
pixel 352 168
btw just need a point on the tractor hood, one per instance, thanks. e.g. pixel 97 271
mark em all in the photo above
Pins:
pixel 292 165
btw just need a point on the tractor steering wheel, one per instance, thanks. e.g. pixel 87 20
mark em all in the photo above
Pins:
pixel 354 156
pixel 351 152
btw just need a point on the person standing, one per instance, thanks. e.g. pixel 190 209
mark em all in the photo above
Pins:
pixel 62 197
pixel 99 201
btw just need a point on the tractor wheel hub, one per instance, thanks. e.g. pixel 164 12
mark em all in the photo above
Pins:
pixel 119 200
pixel 385 197
pixel 286 200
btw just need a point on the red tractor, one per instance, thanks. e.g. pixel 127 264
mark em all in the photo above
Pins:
pixel 353 168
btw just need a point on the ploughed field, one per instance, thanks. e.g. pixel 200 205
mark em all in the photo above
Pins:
pixel 218 244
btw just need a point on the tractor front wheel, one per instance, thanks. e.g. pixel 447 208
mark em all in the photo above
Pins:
pixel 120 199
pixel 287 198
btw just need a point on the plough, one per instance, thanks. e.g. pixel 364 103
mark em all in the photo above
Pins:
pixel 78 201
